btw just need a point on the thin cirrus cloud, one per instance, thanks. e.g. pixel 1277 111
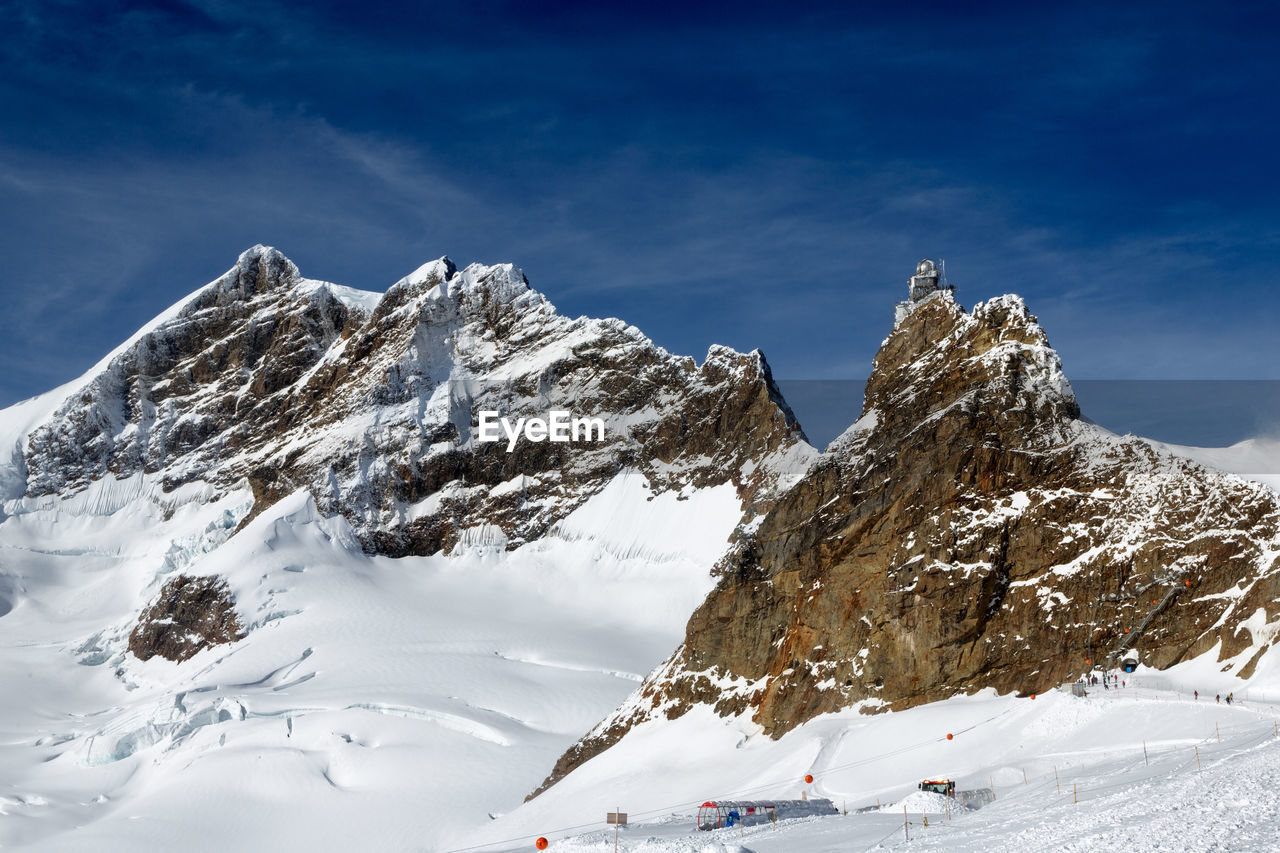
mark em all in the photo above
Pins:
pixel 125 240
pixel 717 175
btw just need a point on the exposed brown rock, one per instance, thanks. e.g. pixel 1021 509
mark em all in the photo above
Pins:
pixel 189 615
pixel 970 531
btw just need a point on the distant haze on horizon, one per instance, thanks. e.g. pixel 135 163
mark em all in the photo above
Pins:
pixel 1193 412
pixel 734 174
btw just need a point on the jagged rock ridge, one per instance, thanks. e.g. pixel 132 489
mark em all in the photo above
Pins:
pixel 970 530
pixel 371 402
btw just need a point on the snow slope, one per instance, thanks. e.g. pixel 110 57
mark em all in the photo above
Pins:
pixel 1114 771
pixel 395 704
pixel 16 423
pixel 376 703
pixel 1255 459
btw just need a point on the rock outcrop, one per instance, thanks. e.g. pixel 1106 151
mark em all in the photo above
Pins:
pixel 189 615
pixel 970 530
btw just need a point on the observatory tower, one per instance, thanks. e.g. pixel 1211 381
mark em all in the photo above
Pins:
pixel 929 281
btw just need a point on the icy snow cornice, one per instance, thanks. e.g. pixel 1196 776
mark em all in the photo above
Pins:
pixel 371 403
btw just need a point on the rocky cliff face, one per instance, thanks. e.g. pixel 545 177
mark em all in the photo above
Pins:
pixel 199 391
pixel 371 402
pixel 970 530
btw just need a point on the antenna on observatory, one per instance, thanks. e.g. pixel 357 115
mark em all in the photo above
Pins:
pixel 942 266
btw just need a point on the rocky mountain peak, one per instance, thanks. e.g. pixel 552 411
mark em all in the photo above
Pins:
pixel 258 270
pixel 996 357
pixel 969 531
pixel 280 382
pixel 430 274
pixel 207 376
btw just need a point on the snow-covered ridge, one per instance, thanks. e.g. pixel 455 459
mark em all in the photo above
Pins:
pixel 1256 459
pixel 370 402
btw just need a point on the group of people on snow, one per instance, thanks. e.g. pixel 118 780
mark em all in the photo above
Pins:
pixel 1218 697
pixel 1108 681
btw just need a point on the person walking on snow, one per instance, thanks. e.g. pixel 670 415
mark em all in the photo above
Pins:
pixel 1197 694
pixel 1218 698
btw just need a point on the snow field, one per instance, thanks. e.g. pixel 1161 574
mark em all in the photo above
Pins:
pixel 396 704
pixel 1088 783
pixel 376 704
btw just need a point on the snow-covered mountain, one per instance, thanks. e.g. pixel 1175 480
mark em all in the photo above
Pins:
pixel 261 582
pixel 197 583
pixel 371 403
pixel 970 531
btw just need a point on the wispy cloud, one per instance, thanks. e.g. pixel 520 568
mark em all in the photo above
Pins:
pixel 736 177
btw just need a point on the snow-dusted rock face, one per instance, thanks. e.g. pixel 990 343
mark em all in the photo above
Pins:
pixel 197 393
pixel 372 404
pixel 970 530
pixel 189 614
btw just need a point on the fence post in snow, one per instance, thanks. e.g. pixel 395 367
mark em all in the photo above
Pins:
pixel 905 830
pixel 1145 759
pixel 1218 732
pixel 1056 786
pixel 1075 794
pixel 1197 759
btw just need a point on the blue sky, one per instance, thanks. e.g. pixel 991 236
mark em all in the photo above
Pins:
pixel 758 175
